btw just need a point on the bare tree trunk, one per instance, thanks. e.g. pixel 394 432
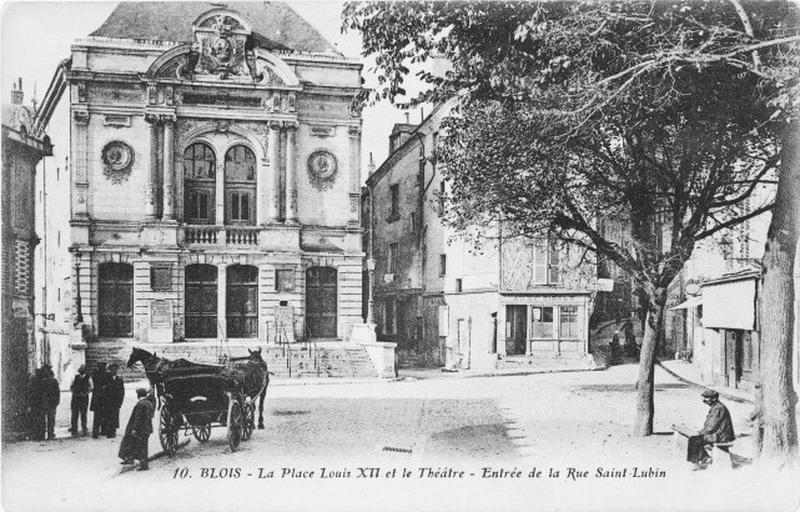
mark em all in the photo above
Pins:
pixel 645 408
pixel 777 310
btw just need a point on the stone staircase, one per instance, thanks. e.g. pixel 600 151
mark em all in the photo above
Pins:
pixel 299 360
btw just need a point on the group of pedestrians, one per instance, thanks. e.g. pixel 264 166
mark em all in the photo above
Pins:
pixel 102 392
pixel 43 395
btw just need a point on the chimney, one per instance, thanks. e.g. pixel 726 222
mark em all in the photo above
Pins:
pixel 371 165
pixel 408 119
pixel 16 93
pixel 421 115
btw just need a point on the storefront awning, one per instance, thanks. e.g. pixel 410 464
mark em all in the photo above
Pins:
pixel 691 302
pixel 730 305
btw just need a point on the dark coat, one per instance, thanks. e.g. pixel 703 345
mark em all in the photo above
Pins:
pixel 81 385
pixel 116 393
pixel 51 395
pixel 36 386
pixel 718 427
pixel 140 426
pixel 141 422
pixel 102 382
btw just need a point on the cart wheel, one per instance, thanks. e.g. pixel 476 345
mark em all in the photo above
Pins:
pixel 234 423
pixel 202 433
pixel 167 431
pixel 249 423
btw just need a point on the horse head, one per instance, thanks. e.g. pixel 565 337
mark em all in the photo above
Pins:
pixel 140 355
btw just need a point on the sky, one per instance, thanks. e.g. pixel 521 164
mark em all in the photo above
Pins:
pixel 36 36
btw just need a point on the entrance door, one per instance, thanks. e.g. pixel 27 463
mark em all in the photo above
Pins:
pixel 201 301
pixel 321 302
pixel 733 352
pixel 516 329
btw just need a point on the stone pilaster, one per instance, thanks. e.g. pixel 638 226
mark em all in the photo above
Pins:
pixel 291 175
pixel 151 205
pixel 274 148
pixel 355 175
pixel 168 167
pixel 222 320
pixel 80 205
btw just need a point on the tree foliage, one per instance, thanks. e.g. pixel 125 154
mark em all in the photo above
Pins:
pixel 663 115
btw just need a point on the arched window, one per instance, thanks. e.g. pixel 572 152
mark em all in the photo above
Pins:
pixel 242 301
pixel 199 171
pixel 240 185
pixel 115 300
pixel 201 301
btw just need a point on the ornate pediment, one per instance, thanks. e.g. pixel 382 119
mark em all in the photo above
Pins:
pixel 221 43
pixel 223 52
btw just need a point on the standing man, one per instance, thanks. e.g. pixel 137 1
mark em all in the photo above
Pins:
pixel 80 388
pixel 51 399
pixel 718 428
pixel 630 338
pixel 137 433
pixel 99 402
pixel 36 417
pixel 116 395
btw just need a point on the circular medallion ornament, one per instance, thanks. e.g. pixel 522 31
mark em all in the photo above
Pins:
pixel 322 168
pixel 118 159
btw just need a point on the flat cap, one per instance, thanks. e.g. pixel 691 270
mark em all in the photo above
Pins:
pixel 142 392
pixel 709 393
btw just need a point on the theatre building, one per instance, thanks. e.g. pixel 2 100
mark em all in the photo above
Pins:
pixel 212 190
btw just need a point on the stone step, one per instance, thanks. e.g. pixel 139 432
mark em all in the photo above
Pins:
pixel 283 362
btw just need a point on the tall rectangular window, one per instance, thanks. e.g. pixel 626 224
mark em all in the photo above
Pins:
pixel 441 197
pixel 459 285
pixel 546 263
pixel 442 265
pixel 239 207
pixel 569 322
pixel 391 262
pixel 198 211
pixel 394 196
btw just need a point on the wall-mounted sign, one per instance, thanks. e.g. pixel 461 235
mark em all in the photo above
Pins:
pixel 161 314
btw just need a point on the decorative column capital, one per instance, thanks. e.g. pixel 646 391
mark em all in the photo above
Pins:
pixel 81 116
pixel 354 131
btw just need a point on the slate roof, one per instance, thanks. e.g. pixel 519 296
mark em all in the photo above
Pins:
pixel 275 24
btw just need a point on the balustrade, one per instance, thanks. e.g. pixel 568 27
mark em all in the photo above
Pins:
pixel 220 235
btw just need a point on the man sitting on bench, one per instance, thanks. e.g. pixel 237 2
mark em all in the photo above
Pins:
pixel 717 429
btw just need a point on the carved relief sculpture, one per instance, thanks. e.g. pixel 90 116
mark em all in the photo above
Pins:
pixel 322 169
pixel 117 160
pixel 221 49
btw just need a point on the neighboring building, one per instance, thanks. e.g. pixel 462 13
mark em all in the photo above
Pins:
pixel 443 303
pixel 212 184
pixel 22 151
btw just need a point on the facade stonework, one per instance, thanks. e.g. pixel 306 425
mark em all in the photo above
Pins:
pixel 22 151
pixel 442 301
pixel 196 211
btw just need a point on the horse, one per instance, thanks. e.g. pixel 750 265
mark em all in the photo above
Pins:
pixel 254 375
pixel 250 370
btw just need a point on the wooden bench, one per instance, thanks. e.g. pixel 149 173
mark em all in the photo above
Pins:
pixel 719 451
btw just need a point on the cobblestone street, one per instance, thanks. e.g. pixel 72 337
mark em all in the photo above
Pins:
pixel 579 420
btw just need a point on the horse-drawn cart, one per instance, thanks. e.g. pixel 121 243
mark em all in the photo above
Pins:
pixel 196 402
pixel 198 397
